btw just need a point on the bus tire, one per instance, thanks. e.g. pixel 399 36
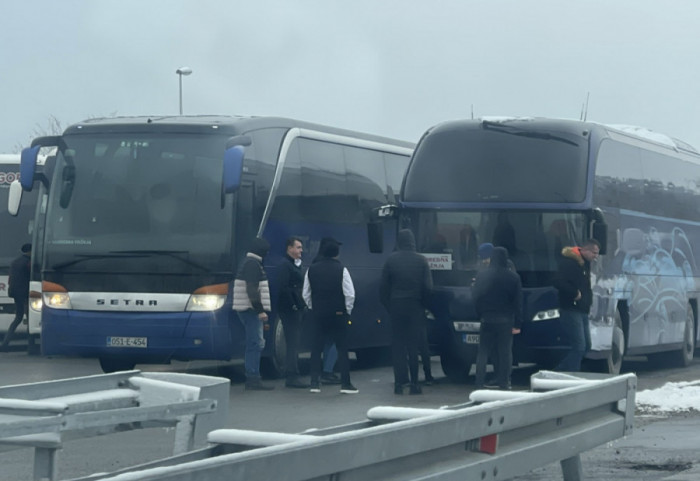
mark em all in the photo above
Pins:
pixel 454 366
pixel 683 356
pixel 33 345
pixel 110 364
pixel 272 366
pixel 613 361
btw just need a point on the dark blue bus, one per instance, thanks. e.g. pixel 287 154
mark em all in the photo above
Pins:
pixel 534 186
pixel 146 219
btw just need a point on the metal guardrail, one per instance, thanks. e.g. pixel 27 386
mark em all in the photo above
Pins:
pixel 44 415
pixel 496 436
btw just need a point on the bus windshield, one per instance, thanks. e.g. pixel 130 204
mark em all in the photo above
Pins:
pixel 534 240
pixel 134 203
pixel 498 163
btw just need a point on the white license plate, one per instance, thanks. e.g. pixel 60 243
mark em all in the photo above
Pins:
pixel 113 341
pixel 470 338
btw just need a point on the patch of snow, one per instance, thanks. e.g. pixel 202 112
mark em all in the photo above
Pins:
pixel 501 119
pixel 645 134
pixel 672 397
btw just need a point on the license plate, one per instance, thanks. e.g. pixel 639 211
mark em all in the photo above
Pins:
pixel 113 341
pixel 470 338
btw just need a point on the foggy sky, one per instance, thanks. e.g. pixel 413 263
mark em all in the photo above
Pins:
pixel 392 68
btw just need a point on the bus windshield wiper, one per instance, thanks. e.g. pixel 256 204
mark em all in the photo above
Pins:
pixel 504 129
pixel 169 253
pixel 88 257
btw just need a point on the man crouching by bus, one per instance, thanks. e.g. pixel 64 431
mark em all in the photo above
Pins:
pixel 573 281
pixel 251 300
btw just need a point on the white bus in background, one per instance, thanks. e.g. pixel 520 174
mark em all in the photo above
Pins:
pixel 14 231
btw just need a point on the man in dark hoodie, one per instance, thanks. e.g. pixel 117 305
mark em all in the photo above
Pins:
pixel 251 301
pixel 498 299
pixel 405 286
pixel 573 281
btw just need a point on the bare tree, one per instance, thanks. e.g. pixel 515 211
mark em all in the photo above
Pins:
pixel 53 126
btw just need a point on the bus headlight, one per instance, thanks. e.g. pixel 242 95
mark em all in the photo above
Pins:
pixel 57 300
pixel 546 315
pixel 35 303
pixel 205 302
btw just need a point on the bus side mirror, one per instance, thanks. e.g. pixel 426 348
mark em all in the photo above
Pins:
pixel 14 198
pixel 233 169
pixel 600 233
pixel 27 167
pixel 375 236
pixel 67 184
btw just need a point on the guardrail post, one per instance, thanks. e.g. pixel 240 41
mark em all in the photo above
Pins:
pixel 571 468
pixel 44 464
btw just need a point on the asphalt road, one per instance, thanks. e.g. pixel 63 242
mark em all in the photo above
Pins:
pixel 659 447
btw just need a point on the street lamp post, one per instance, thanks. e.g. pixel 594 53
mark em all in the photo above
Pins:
pixel 180 72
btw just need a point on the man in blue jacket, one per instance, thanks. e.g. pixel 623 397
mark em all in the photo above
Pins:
pixel 290 306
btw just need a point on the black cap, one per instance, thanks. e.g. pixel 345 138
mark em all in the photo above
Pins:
pixel 329 247
pixel 26 248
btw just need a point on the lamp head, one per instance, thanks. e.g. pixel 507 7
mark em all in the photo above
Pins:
pixel 183 71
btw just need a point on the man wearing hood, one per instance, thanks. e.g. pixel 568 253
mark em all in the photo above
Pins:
pixel 498 299
pixel 573 282
pixel 405 286
pixel 251 301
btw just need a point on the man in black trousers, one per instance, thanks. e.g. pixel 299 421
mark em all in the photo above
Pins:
pixel 290 306
pixel 498 299
pixel 330 294
pixel 18 290
pixel 405 286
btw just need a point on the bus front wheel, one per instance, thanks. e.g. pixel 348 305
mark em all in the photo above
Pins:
pixel 455 367
pixel 109 364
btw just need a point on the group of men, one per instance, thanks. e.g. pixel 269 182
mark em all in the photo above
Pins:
pixel 328 291
pixel 497 294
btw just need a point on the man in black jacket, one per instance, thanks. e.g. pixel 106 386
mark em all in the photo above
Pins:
pixel 251 301
pixel 290 306
pixel 330 294
pixel 498 299
pixel 405 286
pixel 19 290
pixel 573 281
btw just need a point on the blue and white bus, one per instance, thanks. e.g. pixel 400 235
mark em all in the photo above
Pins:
pixel 537 185
pixel 146 219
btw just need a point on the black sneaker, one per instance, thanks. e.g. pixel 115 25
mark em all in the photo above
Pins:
pixel 349 389
pixel 429 380
pixel 415 389
pixel 315 387
pixel 398 389
pixel 330 378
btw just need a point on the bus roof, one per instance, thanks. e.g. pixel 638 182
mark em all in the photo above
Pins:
pixel 576 127
pixel 231 125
